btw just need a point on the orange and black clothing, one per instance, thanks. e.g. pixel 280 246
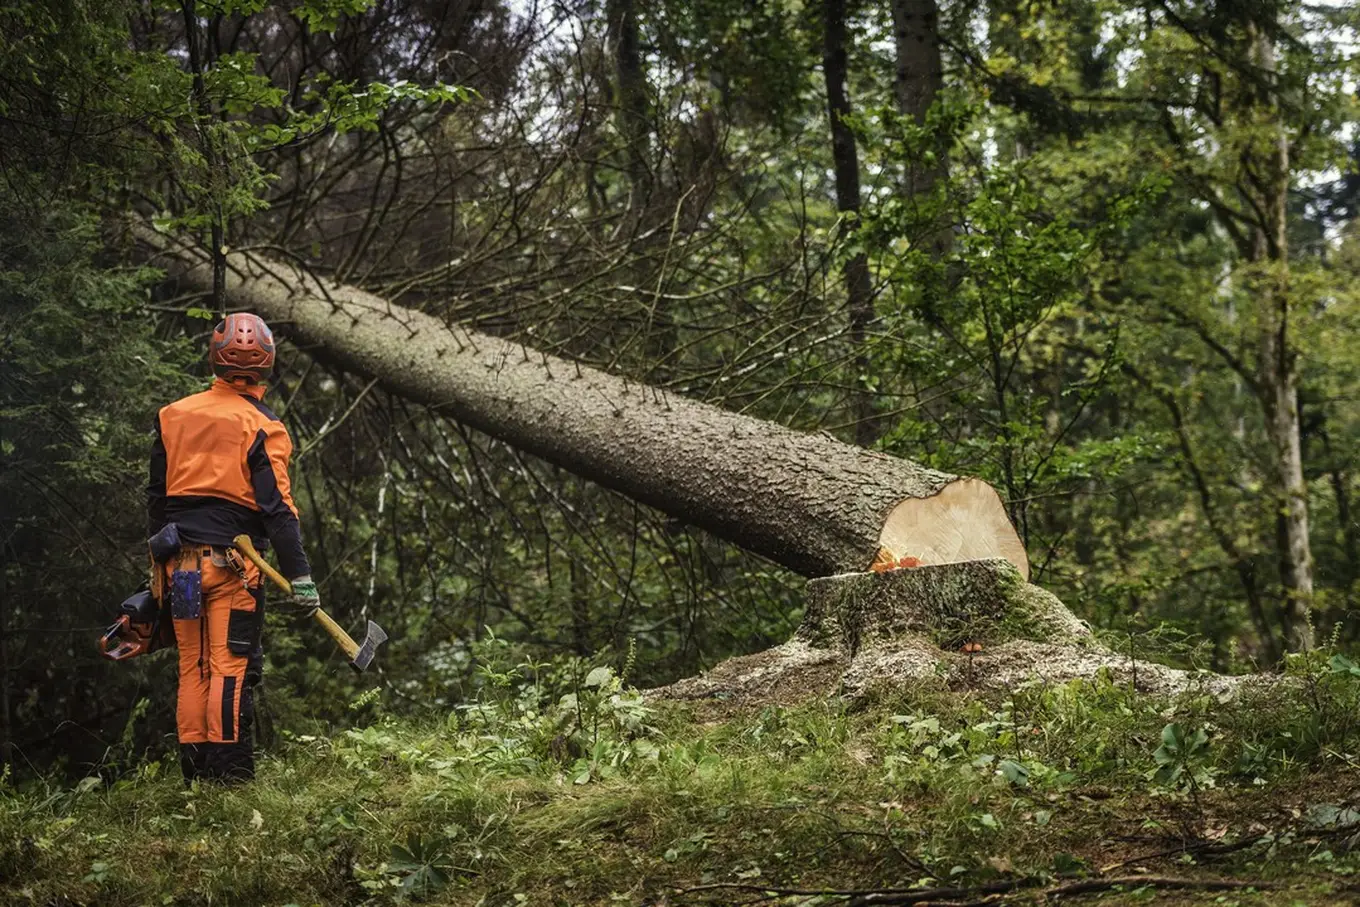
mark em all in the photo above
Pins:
pixel 219 468
pixel 221 659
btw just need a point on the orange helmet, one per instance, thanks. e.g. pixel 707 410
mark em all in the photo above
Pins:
pixel 242 349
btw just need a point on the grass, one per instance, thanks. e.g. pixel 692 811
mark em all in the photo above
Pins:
pixel 602 798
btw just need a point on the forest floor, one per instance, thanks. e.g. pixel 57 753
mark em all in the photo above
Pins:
pixel 1081 793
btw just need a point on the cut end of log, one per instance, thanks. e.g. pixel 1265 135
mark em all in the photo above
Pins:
pixel 965 521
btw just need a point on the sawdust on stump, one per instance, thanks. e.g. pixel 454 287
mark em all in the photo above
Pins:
pixel 975 625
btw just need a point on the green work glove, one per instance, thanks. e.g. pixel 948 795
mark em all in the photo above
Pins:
pixel 305 598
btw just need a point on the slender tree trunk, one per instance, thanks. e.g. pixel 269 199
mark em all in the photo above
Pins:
pixel 805 501
pixel 845 157
pixel 194 39
pixel 1278 367
pixel 631 104
pixel 1350 547
pixel 917 80
pixel 1222 530
pixel 1343 485
pixel 919 74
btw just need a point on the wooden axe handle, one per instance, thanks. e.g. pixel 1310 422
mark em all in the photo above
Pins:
pixel 337 632
pixel 247 547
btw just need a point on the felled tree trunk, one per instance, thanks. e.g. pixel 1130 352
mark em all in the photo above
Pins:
pixel 805 501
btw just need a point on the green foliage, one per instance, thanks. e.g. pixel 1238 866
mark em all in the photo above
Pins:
pixel 68 74
pixel 341 107
pixel 752 56
pixel 1340 664
pixel 1180 755
pixel 232 114
pixel 423 867
pixel 325 15
pixel 1089 322
pixel 482 806
pixel 80 379
pixel 1018 277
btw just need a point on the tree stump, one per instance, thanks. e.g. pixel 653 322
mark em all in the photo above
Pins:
pixel 973 625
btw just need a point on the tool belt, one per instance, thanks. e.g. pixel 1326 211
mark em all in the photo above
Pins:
pixel 173 592
pixel 178 565
pixel 185 574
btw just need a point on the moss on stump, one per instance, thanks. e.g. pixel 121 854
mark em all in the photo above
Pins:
pixel 950 604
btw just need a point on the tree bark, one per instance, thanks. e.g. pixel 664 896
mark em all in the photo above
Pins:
pixel 1341 483
pixel 805 501
pixel 631 104
pixel 1278 367
pixel 194 41
pixel 918 75
pixel 918 78
pixel 845 157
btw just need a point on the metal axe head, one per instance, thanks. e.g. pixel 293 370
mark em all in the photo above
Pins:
pixel 368 648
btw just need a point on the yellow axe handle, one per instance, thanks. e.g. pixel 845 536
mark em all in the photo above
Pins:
pixel 337 632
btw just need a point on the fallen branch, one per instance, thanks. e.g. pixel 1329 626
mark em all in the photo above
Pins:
pixel 1199 848
pixel 979 894
pixel 1087 886
pixel 949 897
pixel 864 895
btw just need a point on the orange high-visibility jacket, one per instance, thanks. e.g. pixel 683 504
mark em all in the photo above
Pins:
pixel 219 468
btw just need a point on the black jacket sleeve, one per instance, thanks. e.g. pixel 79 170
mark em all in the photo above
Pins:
pixel 268 457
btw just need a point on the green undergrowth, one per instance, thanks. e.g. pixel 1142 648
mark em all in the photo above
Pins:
pixel 566 787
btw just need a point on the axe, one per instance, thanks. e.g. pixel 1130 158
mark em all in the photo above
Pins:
pixel 360 656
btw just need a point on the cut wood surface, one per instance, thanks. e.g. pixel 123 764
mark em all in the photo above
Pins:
pixel 804 500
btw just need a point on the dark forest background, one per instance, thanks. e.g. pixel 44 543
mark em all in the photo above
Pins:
pixel 1101 254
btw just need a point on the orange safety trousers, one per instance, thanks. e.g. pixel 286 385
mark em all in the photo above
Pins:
pixel 220 660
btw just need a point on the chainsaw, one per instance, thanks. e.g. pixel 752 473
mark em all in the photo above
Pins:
pixel 137 630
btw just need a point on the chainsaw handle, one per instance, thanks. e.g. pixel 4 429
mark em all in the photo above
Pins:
pixel 247 547
pixel 113 634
